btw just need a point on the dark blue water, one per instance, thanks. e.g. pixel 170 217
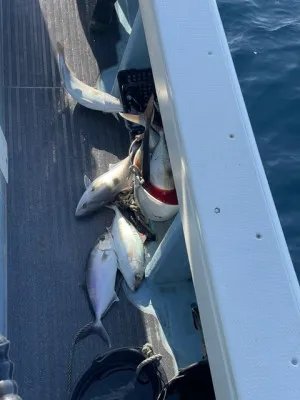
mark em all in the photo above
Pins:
pixel 264 39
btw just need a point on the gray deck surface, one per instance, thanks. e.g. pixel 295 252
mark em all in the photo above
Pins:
pixel 52 142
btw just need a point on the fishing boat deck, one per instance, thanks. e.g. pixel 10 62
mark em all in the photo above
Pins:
pixel 52 143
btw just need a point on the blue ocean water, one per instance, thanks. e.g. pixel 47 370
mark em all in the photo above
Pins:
pixel 264 39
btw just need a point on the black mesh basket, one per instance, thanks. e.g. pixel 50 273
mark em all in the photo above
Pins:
pixel 136 87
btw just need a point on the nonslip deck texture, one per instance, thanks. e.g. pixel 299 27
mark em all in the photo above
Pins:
pixel 52 142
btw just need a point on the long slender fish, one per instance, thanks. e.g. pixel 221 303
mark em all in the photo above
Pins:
pixel 104 188
pixel 129 248
pixel 101 273
pixel 84 94
pixel 161 175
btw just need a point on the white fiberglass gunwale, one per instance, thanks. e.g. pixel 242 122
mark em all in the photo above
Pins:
pixel 246 287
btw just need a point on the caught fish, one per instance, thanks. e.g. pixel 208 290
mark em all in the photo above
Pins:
pixel 140 119
pixel 138 159
pixel 101 273
pixel 85 95
pixel 104 188
pixel 154 139
pixel 161 175
pixel 129 248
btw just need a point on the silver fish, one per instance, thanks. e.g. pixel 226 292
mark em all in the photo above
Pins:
pixel 161 175
pixel 129 248
pixel 104 188
pixel 140 119
pixel 85 95
pixel 100 286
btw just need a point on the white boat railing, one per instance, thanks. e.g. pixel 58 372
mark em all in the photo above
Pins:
pixel 246 287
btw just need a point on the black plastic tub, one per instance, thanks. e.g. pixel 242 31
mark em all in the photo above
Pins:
pixel 112 376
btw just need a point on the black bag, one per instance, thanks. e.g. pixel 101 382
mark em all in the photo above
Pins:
pixel 193 382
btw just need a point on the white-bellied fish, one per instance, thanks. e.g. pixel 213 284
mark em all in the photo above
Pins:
pixel 101 273
pixel 129 248
pixel 85 95
pixel 105 188
pixel 161 175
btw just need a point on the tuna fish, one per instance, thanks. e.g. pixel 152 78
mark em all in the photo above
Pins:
pixel 105 188
pixel 129 248
pixel 101 273
pixel 85 95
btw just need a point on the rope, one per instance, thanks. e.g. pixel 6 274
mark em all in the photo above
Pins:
pixel 154 358
pixel 71 356
pixel 126 203
pixel 148 352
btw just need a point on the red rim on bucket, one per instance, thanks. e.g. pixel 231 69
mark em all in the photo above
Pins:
pixel 165 196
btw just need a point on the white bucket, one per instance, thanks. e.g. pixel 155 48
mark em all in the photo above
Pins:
pixel 151 207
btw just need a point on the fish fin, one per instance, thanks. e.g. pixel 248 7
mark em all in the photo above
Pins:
pixel 87 181
pixel 138 119
pixel 93 328
pixel 112 165
pixel 116 116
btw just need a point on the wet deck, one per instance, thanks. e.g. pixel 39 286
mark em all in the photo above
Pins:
pixel 52 142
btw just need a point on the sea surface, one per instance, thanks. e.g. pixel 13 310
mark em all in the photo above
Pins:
pixel 264 39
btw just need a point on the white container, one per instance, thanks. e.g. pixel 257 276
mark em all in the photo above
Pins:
pixel 152 208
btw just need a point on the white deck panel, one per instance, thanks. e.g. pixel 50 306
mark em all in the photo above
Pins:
pixel 246 287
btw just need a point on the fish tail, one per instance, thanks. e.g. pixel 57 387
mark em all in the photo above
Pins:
pixel 93 328
pixel 141 118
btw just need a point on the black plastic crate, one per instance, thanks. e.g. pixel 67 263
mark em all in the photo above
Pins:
pixel 136 87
